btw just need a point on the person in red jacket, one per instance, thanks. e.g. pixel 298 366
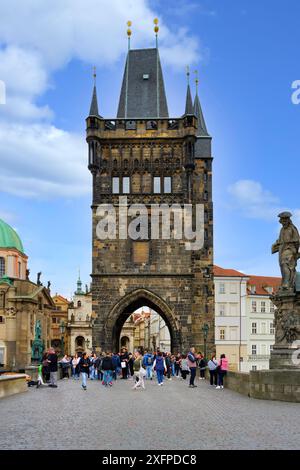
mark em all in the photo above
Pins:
pixel 222 370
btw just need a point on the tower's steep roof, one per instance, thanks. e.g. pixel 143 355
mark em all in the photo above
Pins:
pixel 202 129
pixel 143 91
pixel 9 237
pixel 94 104
pixel 189 109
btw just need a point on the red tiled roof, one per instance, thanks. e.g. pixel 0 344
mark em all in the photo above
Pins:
pixel 218 271
pixel 262 282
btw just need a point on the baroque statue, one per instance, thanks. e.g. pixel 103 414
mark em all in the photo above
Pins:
pixel 287 246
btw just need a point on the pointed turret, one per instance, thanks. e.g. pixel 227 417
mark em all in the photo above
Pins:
pixel 202 130
pixel 189 102
pixel 94 104
pixel 79 290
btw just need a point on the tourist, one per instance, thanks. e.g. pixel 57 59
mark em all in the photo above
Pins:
pixel 92 369
pixel 192 363
pixel 168 365
pixel 184 367
pixel 75 369
pixel 107 368
pixel 148 364
pixel 139 370
pixel 202 366
pixel 131 359
pixel 222 370
pixel 159 365
pixel 117 365
pixel 65 365
pixel 98 365
pixel 212 367
pixel 124 357
pixel 173 365
pixel 84 364
pixel 177 364
pixel 45 368
pixel 52 361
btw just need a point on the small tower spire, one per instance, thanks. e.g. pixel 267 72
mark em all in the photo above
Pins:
pixel 156 29
pixel 202 130
pixel 94 103
pixel 129 32
pixel 188 101
pixel 79 284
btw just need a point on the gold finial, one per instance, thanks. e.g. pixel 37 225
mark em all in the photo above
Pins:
pixel 188 73
pixel 129 32
pixel 94 73
pixel 196 79
pixel 156 27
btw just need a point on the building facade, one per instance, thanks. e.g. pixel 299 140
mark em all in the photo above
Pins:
pixel 244 318
pixel 149 158
pixel 25 307
pixel 79 325
pixel 59 319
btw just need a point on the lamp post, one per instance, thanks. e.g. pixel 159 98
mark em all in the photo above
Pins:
pixel 205 330
pixel 62 332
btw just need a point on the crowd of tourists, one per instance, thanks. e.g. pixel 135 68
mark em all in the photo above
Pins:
pixel 108 367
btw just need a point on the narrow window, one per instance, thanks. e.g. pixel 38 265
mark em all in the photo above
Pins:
pixel 167 184
pixel 2 267
pixel 140 252
pixel 254 328
pixel 116 185
pixel 156 185
pixel 126 185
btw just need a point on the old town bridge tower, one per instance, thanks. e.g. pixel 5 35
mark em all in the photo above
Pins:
pixel 150 158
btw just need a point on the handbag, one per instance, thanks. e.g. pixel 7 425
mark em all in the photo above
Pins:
pixel 123 365
pixel 142 372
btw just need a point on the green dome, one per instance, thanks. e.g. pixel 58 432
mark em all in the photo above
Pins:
pixel 9 237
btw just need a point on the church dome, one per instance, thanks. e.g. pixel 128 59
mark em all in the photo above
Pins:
pixel 9 237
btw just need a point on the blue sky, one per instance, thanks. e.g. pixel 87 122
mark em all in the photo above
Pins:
pixel 247 56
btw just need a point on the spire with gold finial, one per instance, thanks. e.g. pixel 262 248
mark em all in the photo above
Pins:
pixel 94 104
pixel 156 29
pixel 188 101
pixel 202 130
pixel 129 32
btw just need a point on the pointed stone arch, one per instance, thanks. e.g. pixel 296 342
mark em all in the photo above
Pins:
pixel 131 302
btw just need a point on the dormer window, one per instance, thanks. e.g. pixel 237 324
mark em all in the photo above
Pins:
pixel 269 289
pixel 253 289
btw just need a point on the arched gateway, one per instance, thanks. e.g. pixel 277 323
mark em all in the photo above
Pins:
pixel 145 158
pixel 127 305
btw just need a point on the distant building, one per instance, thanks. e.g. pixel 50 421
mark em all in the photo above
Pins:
pixel 59 317
pixel 244 318
pixel 79 326
pixel 25 307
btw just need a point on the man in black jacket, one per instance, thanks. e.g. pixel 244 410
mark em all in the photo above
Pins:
pixel 124 357
pixel 84 365
pixel 52 360
pixel 107 367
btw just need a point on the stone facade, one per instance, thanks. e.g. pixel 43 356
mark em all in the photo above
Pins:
pixel 161 274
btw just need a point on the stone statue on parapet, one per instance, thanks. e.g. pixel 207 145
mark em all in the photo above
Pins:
pixel 287 246
pixel 38 281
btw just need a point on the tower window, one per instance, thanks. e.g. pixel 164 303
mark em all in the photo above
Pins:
pixel 167 184
pixel 146 76
pixel 116 185
pixel 2 267
pixel 126 185
pixel 156 185
pixel 140 252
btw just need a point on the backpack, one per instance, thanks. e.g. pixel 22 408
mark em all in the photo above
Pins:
pixel 149 360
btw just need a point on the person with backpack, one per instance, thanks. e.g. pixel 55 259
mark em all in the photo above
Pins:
pixel 222 370
pixel 192 363
pixel 108 368
pixel 202 366
pixel 84 365
pixel 159 365
pixel 168 365
pixel 116 363
pixel 148 363
pixel 213 373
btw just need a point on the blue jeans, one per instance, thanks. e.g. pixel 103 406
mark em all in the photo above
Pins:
pixel 107 377
pixel 193 375
pixel 149 372
pixel 84 378
pixel 92 373
pixel 173 369
pixel 221 375
pixel 160 376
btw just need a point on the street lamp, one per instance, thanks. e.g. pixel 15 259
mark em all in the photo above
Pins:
pixel 205 329
pixel 62 332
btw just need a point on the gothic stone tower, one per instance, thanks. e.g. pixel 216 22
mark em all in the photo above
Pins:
pixel 151 158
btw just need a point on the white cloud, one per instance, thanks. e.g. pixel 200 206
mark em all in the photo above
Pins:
pixel 255 202
pixel 41 160
pixel 39 37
